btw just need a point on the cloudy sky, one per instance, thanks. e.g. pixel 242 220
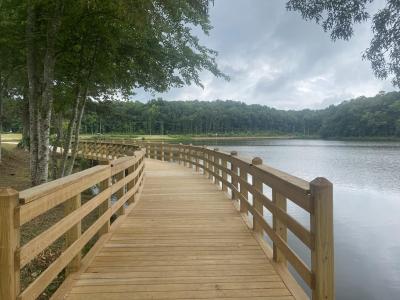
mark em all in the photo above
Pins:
pixel 276 58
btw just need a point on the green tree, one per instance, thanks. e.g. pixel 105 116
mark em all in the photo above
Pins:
pixel 77 50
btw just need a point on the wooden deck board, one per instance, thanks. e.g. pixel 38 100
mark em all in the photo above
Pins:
pixel 183 240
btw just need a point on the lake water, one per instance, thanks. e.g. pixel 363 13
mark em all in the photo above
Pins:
pixel 366 180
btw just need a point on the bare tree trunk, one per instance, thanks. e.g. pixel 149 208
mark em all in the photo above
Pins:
pixel 70 131
pixel 77 126
pixel 56 144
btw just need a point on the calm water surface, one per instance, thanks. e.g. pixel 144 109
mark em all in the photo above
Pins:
pixel 366 179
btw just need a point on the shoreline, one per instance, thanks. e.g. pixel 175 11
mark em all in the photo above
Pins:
pixel 15 138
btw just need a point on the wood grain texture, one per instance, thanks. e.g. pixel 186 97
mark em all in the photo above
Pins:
pixel 183 240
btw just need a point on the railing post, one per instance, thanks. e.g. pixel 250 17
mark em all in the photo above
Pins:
pixel 210 157
pixel 121 192
pixel 74 233
pixel 196 159
pixel 322 264
pixel 162 155
pixel 258 206
pixel 105 184
pixel 180 153
pixel 205 165
pixel 147 150
pixel 131 184
pixel 280 229
pixel 224 174
pixel 243 191
pixel 216 169
pixel 234 180
pixel 154 151
pixel 190 158
pixel 9 242
pixel 171 153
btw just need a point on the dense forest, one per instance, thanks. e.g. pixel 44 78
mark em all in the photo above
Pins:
pixel 377 116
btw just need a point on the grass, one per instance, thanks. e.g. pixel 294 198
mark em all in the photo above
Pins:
pixel 11 137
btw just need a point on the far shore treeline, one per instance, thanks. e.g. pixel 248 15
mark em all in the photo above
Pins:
pixel 377 116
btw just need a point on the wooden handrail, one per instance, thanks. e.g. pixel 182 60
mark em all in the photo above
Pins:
pixel 125 180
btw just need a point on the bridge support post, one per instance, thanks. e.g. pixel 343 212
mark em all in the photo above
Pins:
pixel 9 242
pixel 321 228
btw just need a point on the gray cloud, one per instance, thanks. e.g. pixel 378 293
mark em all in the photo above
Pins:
pixel 276 58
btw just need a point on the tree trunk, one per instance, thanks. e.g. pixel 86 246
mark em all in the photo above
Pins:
pixel 77 127
pixel 33 94
pixel 70 131
pixel 56 144
pixel 41 83
pixel 25 121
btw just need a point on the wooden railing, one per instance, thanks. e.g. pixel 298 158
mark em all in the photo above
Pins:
pixel 246 180
pixel 105 150
pixel 120 180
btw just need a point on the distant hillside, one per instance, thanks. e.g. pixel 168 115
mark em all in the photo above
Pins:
pixel 363 117
pixel 377 116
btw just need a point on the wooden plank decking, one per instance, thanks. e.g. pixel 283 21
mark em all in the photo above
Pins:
pixel 183 240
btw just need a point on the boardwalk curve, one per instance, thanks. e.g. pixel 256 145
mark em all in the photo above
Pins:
pixel 183 240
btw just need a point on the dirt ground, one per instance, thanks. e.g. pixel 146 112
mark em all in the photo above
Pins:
pixel 14 167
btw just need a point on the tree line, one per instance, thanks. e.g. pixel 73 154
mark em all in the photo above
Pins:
pixel 377 116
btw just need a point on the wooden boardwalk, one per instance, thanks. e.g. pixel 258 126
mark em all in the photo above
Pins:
pixel 184 240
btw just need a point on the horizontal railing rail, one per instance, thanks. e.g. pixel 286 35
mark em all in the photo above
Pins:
pixel 119 182
pixel 105 150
